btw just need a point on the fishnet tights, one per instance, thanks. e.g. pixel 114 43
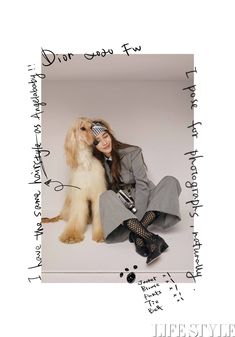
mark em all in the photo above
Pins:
pixel 140 230
pixel 147 219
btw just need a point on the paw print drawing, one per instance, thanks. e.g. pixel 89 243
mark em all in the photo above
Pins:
pixel 130 276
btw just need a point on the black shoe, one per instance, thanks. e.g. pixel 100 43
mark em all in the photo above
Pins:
pixel 160 247
pixel 141 250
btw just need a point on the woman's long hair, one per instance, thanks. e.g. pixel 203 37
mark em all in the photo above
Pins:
pixel 116 162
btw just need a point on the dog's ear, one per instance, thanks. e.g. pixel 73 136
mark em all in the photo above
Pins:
pixel 70 147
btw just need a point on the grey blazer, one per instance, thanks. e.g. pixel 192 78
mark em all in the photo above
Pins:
pixel 133 171
pixel 163 198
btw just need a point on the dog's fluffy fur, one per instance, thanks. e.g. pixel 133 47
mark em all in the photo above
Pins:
pixel 87 173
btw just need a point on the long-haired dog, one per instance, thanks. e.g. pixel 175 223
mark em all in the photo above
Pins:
pixel 87 173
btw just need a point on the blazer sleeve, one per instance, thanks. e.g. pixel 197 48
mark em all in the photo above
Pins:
pixel 141 181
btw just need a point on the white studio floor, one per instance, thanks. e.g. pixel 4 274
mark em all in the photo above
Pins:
pixel 89 261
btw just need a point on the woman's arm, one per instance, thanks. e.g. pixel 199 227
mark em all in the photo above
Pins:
pixel 142 183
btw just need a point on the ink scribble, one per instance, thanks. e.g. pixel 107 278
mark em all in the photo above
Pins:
pixel 176 292
pixel 103 53
pixel 131 276
pixel 49 57
pixel 60 186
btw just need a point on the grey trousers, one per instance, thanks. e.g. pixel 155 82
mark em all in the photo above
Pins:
pixel 164 198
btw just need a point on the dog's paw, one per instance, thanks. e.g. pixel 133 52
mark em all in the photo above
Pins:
pixel 71 237
pixel 98 236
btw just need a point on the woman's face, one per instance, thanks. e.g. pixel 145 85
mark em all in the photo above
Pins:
pixel 104 143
